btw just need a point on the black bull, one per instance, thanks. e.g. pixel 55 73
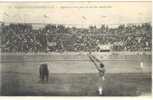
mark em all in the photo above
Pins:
pixel 44 72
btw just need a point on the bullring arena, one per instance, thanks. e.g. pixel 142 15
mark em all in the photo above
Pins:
pixel 73 74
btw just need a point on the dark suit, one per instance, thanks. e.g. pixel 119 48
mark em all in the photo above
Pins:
pixel 44 72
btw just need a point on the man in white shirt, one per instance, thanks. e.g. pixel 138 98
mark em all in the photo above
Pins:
pixel 101 69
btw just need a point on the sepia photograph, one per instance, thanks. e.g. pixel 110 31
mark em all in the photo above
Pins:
pixel 76 48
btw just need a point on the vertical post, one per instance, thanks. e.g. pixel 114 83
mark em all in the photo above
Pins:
pixel 46 41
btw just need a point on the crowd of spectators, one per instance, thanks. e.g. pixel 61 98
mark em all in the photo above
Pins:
pixel 21 37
